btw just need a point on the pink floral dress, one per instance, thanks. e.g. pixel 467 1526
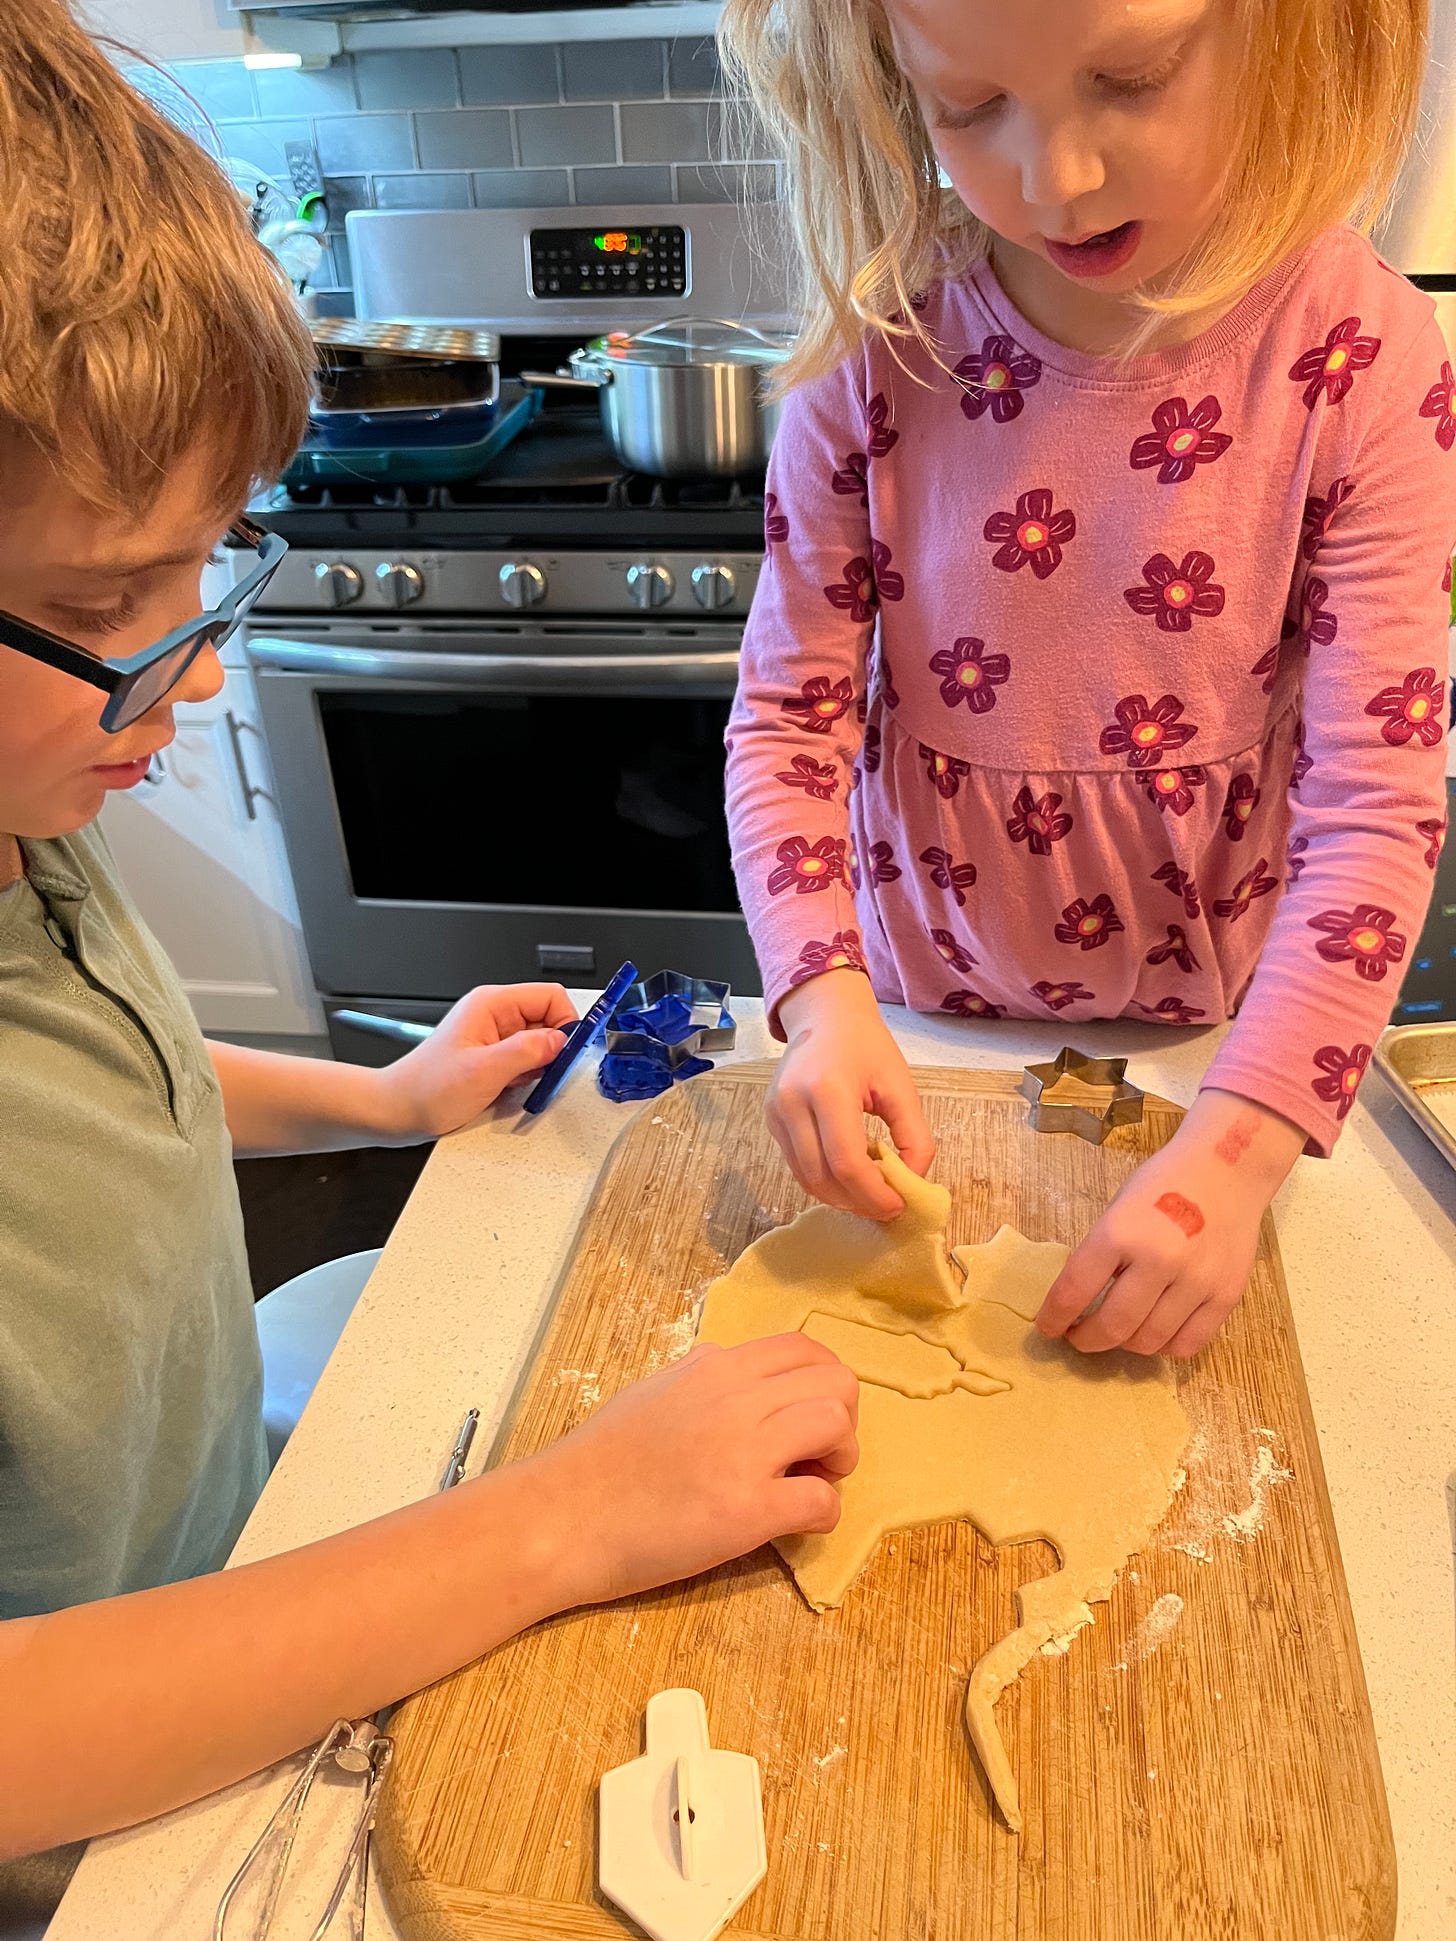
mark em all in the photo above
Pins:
pixel 1114 689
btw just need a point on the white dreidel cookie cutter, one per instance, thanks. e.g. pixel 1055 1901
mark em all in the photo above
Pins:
pixel 680 1843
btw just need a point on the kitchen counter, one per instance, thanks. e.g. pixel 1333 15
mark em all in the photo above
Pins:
pixel 449 1318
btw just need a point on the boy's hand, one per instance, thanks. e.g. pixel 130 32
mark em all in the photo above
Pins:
pixel 1178 1243
pixel 724 1450
pixel 842 1062
pixel 496 1034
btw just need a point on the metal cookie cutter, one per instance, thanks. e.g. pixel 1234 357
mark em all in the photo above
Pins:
pixel 690 1013
pixel 1076 1093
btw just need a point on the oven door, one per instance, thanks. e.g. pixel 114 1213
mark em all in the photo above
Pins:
pixel 469 803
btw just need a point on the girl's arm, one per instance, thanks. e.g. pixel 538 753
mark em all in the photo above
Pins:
pixel 1368 798
pixel 796 734
pixel 493 1036
pixel 119 1710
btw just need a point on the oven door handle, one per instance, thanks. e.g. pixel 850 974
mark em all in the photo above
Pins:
pixel 521 673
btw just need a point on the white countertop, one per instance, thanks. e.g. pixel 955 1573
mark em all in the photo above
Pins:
pixel 1369 1246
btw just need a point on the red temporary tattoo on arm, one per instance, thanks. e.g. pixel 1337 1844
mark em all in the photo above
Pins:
pixel 1183 1213
pixel 1237 1140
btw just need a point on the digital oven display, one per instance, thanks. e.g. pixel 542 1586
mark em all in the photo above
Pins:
pixel 611 263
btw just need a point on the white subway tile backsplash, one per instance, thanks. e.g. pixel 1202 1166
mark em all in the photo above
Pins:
pixel 408 77
pixel 360 144
pixel 614 70
pixel 666 131
pixel 510 77
pixel 565 136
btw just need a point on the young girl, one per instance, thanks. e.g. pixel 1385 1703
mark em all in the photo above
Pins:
pixel 1097 669
pixel 151 368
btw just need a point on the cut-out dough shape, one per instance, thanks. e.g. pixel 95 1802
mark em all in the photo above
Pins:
pixel 965 1412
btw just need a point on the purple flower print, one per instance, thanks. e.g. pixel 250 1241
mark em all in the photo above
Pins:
pixel 1362 937
pixel 1034 820
pixel 970 1004
pixel 870 754
pixel 775 525
pixel 881 437
pixel 888 584
pixel 805 866
pixel 1181 883
pixel 1176 948
pixel 1446 576
pixel 1056 997
pixel 1144 733
pixel 1033 534
pixel 854 594
pixel 1316 627
pixel 1329 368
pixel 1238 805
pixel 1089 925
pixel 819 779
pixel 1170 1010
pixel 1173 594
pixel 852 480
pixel 1342 1072
pixel 883 867
pixel 1440 404
pixel 955 954
pixel 1303 762
pixel 970 674
pixel 887 680
pixel 944 770
pixel 994 379
pixel 820 703
pixel 1294 859
pixel 1434 830
pixel 1172 788
pixel 841 952
pixel 947 874
pixel 1317 516
pixel 1246 891
pixel 1180 440
pixel 1413 708
pixel 1266 668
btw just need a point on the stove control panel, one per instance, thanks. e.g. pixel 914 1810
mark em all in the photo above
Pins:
pixel 681 586
pixel 612 263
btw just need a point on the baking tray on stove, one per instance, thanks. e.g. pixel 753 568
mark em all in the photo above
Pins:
pixel 1418 1063
pixel 402 463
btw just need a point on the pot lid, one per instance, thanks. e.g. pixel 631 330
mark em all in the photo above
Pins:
pixel 438 341
pixel 693 340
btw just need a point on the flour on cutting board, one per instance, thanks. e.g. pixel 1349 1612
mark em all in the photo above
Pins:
pixel 1156 1628
pixel 1220 1463
pixel 588 1384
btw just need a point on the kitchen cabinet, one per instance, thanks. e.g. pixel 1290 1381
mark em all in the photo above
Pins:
pixel 169 30
pixel 201 850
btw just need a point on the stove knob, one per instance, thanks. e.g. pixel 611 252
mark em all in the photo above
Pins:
pixel 400 585
pixel 339 583
pixel 649 586
pixel 522 585
pixel 714 586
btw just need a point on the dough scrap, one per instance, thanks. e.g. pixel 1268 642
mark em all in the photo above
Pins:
pixel 965 1412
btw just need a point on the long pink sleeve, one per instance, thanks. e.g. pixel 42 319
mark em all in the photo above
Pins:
pixel 1082 689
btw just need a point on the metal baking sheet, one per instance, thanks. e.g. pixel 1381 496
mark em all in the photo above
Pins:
pixel 1418 1062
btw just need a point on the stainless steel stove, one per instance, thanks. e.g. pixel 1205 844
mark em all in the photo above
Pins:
pixel 495 711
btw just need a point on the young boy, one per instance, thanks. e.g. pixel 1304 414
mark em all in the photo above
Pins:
pixel 151 372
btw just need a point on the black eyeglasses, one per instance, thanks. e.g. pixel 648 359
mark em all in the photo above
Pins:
pixel 139 682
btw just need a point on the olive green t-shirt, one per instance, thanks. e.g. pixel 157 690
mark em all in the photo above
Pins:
pixel 131 1440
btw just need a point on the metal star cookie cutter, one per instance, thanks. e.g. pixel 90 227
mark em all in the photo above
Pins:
pixel 713 1029
pixel 1072 1071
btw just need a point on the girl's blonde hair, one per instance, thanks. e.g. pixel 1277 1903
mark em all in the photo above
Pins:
pixel 138 316
pixel 1318 124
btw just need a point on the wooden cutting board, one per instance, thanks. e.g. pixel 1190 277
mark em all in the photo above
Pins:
pixel 1201 1763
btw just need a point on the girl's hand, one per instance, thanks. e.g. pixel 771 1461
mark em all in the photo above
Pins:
pixel 495 1035
pixel 1176 1247
pixel 724 1450
pixel 842 1062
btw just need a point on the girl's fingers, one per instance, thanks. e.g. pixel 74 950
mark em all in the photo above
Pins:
pixel 827 1380
pixel 793 1125
pixel 819 1429
pixel 774 1355
pixel 1177 1306
pixel 900 1108
pixel 1130 1300
pixel 1199 1329
pixel 858 1178
pixel 1083 1278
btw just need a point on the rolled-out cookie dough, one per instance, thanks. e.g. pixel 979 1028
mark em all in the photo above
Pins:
pixel 965 1411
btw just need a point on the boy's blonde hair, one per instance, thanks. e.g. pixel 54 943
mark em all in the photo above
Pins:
pixel 1318 124
pixel 138 317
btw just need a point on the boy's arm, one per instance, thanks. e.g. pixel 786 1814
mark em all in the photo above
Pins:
pixel 494 1036
pixel 118 1710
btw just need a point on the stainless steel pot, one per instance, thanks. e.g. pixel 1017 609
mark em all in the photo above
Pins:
pixel 683 399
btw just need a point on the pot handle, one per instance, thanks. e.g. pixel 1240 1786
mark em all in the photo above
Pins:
pixel 563 381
